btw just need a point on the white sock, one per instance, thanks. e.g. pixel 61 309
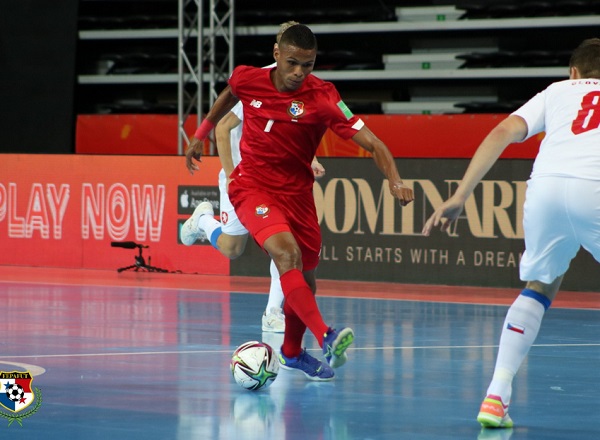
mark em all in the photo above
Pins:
pixel 520 329
pixel 208 224
pixel 275 292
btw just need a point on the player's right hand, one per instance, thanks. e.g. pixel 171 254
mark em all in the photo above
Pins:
pixel 403 193
pixel 193 152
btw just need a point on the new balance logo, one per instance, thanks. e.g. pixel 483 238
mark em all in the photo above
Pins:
pixel 255 103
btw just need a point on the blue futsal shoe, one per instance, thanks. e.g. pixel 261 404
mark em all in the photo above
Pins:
pixel 312 368
pixel 335 344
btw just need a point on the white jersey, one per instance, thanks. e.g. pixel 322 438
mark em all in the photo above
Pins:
pixel 569 112
pixel 236 134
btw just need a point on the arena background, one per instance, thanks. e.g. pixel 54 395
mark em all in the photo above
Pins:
pixel 73 178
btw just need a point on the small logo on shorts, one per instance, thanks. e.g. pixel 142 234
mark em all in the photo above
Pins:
pixel 224 218
pixel 262 210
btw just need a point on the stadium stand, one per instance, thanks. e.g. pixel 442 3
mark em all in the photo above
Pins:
pixel 391 57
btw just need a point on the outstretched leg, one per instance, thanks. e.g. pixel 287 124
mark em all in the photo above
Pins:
pixel 521 327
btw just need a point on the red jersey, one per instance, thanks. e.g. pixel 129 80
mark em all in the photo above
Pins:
pixel 282 130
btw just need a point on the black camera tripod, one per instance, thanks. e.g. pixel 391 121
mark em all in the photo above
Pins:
pixel 140 263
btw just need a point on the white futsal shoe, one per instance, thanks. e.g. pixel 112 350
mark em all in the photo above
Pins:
pixel 190 231
pixel 274 321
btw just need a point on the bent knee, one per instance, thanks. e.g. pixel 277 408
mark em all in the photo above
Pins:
pixel 288 258
pixel 232 254
pixel 232 246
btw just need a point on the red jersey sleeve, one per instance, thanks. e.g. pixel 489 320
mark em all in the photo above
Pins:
pixel 342 121
pixel 242 76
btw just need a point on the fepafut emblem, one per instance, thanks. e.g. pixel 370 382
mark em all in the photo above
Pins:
pixel 262 210
pixel 17 394
pixel 296 109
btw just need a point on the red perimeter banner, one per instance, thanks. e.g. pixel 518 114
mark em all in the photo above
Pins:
pixel 67 210
pixel 413 136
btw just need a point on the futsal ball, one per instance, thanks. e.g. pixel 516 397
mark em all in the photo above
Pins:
pixel 254 365
pixel 15 392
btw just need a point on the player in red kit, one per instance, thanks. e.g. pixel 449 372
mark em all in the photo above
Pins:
pixel 286 112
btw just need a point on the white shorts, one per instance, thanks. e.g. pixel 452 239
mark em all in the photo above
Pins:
pixel 560 215
pixel 230 224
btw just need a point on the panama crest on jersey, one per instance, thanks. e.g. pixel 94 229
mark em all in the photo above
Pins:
pixel 296 109
pixel 261 210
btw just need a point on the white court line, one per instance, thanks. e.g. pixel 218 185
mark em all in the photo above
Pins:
pixel 35 370
pixel 154 353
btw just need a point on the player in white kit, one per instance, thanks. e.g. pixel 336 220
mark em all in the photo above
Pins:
pixel 561 210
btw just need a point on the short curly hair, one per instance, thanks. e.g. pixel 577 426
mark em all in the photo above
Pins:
pixel 586 57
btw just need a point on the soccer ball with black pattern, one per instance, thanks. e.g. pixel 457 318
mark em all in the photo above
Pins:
pixel 254 365
pixel 15 392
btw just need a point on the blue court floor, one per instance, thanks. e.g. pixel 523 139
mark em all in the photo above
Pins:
pixel 140 362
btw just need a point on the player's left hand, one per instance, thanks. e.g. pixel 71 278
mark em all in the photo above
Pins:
pixel 402 192
pixel 229 180
pixel 318 169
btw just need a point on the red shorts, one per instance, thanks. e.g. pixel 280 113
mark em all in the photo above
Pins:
pixel 264 214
